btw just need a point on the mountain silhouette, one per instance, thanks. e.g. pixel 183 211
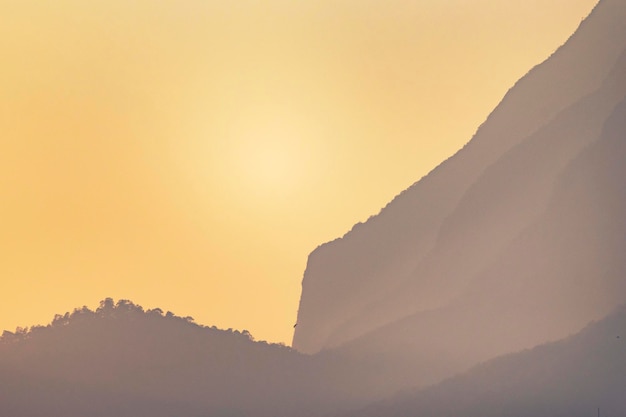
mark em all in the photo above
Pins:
pixel 575 376
pixel 123 361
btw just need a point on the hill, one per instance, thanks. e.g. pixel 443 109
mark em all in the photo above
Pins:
pixel 123 361
pixel 572 377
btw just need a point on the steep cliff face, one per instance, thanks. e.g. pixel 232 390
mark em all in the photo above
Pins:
pixel 421 251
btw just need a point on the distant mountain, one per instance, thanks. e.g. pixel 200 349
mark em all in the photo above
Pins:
pixel 569 378
pixel 489 253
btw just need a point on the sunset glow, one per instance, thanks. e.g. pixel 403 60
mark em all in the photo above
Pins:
pixel 189 155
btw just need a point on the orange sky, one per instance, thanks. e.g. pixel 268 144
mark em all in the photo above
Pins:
pixel 189 154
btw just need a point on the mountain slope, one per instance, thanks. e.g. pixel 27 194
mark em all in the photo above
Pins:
pixel 571 377
pixel 414 255
pixel 123 361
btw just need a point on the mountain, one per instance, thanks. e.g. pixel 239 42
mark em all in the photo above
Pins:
pixel 474 230
pixel 123 361
pixel 572 377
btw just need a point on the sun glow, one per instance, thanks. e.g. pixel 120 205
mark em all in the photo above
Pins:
pixel 269 164
pixel 269 154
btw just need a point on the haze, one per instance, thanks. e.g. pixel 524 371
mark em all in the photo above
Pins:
pixel 189 155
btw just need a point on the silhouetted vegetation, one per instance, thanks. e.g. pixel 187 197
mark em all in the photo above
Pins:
pixel 123 360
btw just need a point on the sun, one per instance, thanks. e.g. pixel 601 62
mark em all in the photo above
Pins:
pixel 269 155
pixel 270 165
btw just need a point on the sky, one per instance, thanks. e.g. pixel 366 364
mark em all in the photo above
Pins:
pixel 188 155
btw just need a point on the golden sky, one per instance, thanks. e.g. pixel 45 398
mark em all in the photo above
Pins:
pixel 189 154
